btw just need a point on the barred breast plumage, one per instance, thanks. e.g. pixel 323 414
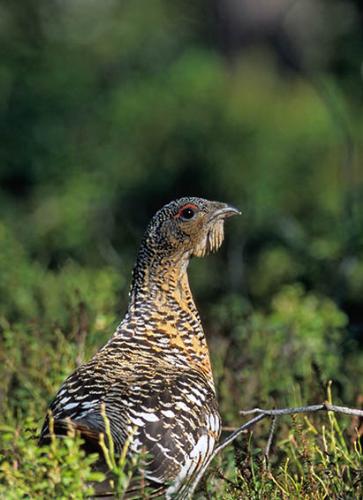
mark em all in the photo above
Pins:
pixel 154 377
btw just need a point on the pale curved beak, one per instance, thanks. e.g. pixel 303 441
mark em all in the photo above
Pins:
pixel 225 212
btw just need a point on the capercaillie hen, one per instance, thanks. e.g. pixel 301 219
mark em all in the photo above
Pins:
pixel 153 378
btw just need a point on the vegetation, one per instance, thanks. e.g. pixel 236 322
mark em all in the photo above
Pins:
pixel 110 109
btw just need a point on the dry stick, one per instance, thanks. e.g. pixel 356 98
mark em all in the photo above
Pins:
pixel 261 414
pixel 304 409
pixel 269 442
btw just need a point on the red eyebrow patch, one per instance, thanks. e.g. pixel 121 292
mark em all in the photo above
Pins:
pixel 184 207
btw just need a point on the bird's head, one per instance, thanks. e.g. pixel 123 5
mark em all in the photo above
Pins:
pixel 189 226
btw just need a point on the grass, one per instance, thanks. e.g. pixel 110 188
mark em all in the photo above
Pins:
pixel 281 356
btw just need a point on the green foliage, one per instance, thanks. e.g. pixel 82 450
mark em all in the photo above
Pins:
pixel 110 109
pixel 284 355
pixel 123 474
pixel 315 461
pixel 59 470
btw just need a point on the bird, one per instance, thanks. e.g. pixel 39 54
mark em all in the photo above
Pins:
pixel 153 378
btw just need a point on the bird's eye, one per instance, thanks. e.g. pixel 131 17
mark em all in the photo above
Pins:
pixel 187 212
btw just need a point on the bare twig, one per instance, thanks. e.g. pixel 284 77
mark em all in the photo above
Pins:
pixel 228 428
pixel 269 441
pixel 304 409
pixel 260 414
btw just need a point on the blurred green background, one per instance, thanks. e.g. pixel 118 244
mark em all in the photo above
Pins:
pixel 108 110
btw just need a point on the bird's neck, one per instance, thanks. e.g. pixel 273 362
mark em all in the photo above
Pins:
pixel 162 307
pixel 158 276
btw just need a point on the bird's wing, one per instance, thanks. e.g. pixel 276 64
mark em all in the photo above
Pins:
pixel 170 413
pixel 173 417
pixel 79 401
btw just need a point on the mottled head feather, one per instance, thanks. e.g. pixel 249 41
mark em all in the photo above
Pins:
pixel 198 234
pixel 182 228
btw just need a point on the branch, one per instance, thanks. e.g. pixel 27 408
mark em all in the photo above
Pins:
pixel 304 409
pixel 260 415
pixel 269 441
